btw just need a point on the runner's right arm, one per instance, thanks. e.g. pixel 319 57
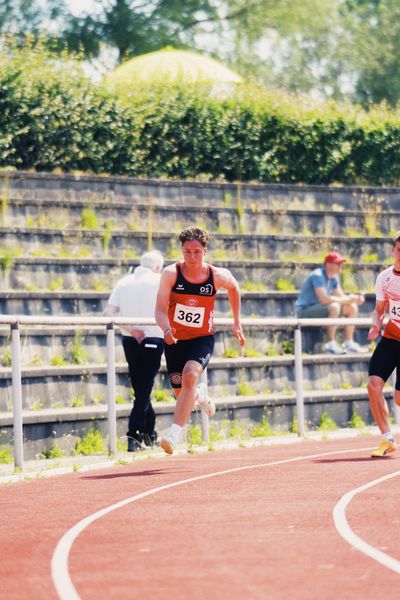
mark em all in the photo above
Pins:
pixel 167 281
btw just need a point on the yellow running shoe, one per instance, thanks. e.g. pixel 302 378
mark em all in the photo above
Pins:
pixel 385 447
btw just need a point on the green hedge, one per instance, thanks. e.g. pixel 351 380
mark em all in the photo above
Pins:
pixel 53 118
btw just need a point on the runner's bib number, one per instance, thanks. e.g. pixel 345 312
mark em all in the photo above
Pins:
pixel 190 316
pixel 394 309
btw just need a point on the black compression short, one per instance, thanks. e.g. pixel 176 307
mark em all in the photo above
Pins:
pixel 177 355
pixel 385 359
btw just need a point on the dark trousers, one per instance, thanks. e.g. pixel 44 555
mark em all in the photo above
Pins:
pixel 144 361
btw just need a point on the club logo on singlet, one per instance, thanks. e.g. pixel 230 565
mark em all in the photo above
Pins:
pixel 207 290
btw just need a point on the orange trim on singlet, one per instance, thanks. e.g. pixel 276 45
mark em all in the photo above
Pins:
pixel 392 332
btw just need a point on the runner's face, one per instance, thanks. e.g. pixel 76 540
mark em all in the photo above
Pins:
pixel 396 253
pixel 193 253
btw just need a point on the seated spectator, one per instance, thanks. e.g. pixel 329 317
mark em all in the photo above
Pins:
pixel 321 296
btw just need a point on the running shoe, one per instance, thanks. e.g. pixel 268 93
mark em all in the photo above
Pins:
pixel 351 346
pixel 135 444
pixel 167 444
pixel 334 348
pixel 206 403
pixel 384 448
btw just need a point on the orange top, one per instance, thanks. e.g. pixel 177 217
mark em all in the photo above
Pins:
pixel 191 306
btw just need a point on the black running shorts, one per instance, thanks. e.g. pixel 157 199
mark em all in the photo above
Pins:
pixel 177 355
pixel 385 359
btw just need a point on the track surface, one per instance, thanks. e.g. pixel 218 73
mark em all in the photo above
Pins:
pixel 252 523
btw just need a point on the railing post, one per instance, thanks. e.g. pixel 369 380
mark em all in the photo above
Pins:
pixel 298 373
pixel 396 409
pixel 205 421
pixel 17 396
pixel 112 412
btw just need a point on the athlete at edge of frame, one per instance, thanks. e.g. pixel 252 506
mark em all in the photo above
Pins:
pixel 185 313
pixel 386 356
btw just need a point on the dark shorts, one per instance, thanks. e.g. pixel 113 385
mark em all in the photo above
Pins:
pixel 314 311
pixel 177 355
pixel 385 359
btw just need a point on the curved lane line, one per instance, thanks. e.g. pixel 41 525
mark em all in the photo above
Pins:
pixel 59 562
pixel 343 527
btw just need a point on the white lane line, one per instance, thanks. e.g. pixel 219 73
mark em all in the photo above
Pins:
pixel 59 562
pixel 343 527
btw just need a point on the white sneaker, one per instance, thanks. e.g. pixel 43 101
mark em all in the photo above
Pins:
pixel 352 346
pixel 334 348
pixel 167 444
pixel 206 403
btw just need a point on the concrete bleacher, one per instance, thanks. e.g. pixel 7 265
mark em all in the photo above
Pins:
pixel 269 236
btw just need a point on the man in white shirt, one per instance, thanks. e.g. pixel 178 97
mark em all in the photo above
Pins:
pixel 135 296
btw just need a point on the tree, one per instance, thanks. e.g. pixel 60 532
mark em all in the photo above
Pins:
pixel 376 51
pixel 20 18
pixel 137 27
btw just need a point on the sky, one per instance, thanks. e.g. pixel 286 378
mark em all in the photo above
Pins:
pixel 80 6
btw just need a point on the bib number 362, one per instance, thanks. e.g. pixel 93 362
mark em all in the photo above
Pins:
pixel 190 316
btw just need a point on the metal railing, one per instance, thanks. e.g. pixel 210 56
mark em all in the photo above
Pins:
pixel 14 321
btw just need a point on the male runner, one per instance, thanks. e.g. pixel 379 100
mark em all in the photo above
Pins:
pixel 387 353
pixel 185 313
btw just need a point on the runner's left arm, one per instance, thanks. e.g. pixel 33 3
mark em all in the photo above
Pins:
pixel 225 279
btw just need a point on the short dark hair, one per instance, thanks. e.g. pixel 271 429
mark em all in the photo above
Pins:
pixel 194 234
pixel 396 238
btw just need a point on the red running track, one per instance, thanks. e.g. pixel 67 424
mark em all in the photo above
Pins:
pixel 260 529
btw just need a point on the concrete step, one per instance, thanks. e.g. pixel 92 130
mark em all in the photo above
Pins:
pixel 42 346
pixel 259 304
pixel 40 273
pixel 48 387
pixel 151 215
pixel 131 244
pixel 88 188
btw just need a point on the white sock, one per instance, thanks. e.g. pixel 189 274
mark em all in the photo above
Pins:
pixel 175 432
pixel 389 436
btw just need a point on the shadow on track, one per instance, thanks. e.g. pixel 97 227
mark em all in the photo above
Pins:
pixel 353 460
pixel 130 474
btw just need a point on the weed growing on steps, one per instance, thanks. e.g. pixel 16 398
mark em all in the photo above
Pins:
pixel 6 358
pixel 89 219
pixel 244 388
pixel 78 401
pixel 161 395
pixel 91 443
pixel 252 352
pixel 356 421
pixel 284 285
pixel 53 452
pixel 326 423
pixel 294 426
pixel 6 456
pixel 79 355
pixel 57 361
pixel 262 429
pixel 231 353
pixel 4 202
pixel 253 286
pixel 56 285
